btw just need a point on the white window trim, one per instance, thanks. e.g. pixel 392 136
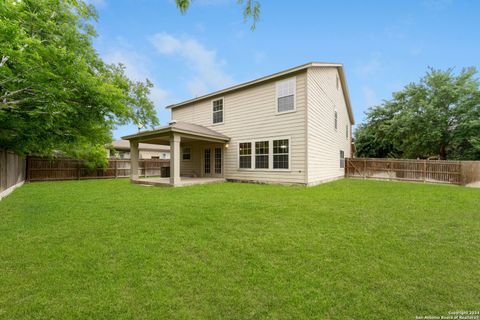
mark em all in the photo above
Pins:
pixel 294 96
pixel 223 111
pixel 270 154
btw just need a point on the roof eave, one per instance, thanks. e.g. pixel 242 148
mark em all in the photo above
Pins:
pixel 256 81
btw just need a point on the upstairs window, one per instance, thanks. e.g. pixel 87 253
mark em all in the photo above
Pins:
pixel 245 152
pixel 337 83
pixel 186 153
pixel 217 111
pixel 346 131
pixel 342 159
pixel 261 155
pixel 286 95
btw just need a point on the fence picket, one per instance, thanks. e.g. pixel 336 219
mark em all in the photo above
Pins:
pixel 437 171
pixel 44 169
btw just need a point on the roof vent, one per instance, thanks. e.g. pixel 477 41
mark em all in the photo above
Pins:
pixel 171 123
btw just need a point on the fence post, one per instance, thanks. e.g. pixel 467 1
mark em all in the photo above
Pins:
pixel 346 167
pixel 27 165
pixel 364 168
pixel 78 170
pixel 115 161
pixel 424 171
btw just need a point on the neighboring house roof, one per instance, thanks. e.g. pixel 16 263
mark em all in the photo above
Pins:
pixel 125 145
pixel 181 127
pixel 339 66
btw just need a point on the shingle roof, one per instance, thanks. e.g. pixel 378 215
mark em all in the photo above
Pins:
pixel 125 145
pixel 195 128
pixel 302 67
pixel 182 127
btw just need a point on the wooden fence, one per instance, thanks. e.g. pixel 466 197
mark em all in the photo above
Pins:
pixel 435 171
pixel 44 169
pixel 12 171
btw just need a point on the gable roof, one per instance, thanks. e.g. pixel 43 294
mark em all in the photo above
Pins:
pixel 302 67
pixel 181 127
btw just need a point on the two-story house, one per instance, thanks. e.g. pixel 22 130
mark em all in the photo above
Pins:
pixel 292 127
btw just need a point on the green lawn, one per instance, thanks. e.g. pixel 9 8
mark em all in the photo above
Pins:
pixel 107 249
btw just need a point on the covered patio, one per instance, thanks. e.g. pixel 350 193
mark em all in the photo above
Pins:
pixel 196 154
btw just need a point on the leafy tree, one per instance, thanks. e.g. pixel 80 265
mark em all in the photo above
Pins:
pixel 251 9
pixel 56 94
pixel 439 116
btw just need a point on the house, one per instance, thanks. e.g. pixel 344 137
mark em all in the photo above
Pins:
pixel 291 127
pixel 121 149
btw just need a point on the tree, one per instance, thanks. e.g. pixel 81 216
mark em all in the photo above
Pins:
pixel 251 9
pixel 56 94
pixel 439 116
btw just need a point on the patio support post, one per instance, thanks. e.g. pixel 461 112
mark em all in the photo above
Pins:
pixel 175 159
pixel 133 160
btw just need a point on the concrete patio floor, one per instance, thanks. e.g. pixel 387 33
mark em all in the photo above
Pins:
pixel 184 181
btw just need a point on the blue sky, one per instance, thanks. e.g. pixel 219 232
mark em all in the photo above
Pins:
pixel 384 45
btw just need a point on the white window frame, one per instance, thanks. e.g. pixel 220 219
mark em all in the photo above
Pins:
pixel 294 79
pixel 251 153
pixel 187 147
pixel 223 111
pixel 270 154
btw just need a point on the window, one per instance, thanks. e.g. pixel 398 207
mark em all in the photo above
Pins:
pixel 206 165
pixel 336 119
pixel 218 160
pixel 346 131
pixel 245 153
pixel 337 83
pixel 280 154
pixel 268 154
pixel 186 153
pixel 261 154
pixel 342 159
pixel 217 111
pixel 286 95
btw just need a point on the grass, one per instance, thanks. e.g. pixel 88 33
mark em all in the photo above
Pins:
pixel 350 249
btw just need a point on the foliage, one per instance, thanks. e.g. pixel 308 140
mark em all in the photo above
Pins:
pixel 439 116
pixel 56 94
pixel 251 9
pixel 351 249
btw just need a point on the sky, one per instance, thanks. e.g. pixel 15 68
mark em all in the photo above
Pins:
pixel 384 45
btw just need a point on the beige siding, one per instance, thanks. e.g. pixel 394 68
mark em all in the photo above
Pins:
pixel 250 114
pixel 324 142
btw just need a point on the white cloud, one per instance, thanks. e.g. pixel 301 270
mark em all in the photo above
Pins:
pixel 369 96
pixel 136 68
pixel 207 67
pixel 437 5
pixel 259 56
pixel 369 68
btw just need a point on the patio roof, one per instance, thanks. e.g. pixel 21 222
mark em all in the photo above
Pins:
pixel 125 145
pixel 179 127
